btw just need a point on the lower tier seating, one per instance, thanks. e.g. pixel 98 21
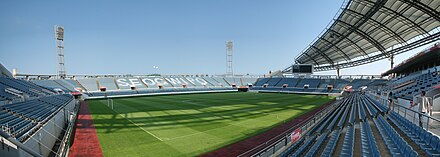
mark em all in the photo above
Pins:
pixel 360 123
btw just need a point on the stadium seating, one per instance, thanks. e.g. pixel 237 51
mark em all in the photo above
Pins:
pixel 221 82
pixel 340 83
pixel 89 84
pixel 428 142
pixel 68 85
pixel 347 146
pixel 262 81
pixel 20 119
pixel 420 82
pixel 291 82
pixel 144 85
pixel 360 111
pixel 197 81
pixel 109 83
pixel 5 95
pixel 357 83
pixel 331 145
pixel 324 82
pixel 246 81
pixel 314 85
pixel 211 81
pixel 233 80
pixel 395 144
pixel 312 82
pixel 316 146
pixel 13 89
pixel 304 146
pixel 49 84
pixel 369 145
pixel 273 82
pixel 24 86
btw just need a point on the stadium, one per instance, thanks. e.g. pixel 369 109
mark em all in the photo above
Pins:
pixel 294 111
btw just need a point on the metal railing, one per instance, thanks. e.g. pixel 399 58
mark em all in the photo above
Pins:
pixel 409 113
pixel 63 150
pixel 307 124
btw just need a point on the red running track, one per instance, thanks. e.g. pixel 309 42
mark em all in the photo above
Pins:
pixel 86 143
pixel 252 142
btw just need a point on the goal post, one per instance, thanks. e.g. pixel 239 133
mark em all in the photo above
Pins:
pixel 110 103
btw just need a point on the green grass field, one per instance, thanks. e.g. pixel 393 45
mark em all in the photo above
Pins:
pixel 192 124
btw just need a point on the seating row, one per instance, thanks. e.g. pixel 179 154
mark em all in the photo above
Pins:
pixel 395 144
pixel 19 119
pixel 424 139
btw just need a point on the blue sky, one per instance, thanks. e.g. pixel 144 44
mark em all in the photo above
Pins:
pixel 180 37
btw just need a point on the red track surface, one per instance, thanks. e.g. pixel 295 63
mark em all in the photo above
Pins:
pixel 86 143
pixel 252 142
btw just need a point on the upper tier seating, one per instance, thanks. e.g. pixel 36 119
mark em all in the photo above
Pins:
pixel 90 84
pixel 421 82
pixel 273 81
pixel 340 83
pixel 248 81
pixel 325 82
pixel 50 84
pixel 221 82
pixel 262 81
pixel 197 81
pixel 357 83
pixel 291 82
pixel 312 82
pixel 108 83
pixel 233 80
pixel 11 89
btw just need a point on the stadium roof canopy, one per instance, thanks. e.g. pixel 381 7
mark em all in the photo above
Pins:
pixel 364 31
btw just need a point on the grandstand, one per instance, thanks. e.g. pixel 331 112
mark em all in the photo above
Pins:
pixel 285 113
pixel 31 115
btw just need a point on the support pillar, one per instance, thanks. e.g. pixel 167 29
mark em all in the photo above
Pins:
pixel 338 73
pixel 392 61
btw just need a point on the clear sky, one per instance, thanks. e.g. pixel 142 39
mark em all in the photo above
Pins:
pixel 178 36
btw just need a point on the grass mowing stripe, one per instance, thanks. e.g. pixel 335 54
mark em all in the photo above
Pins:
pixel 202 123
pixel 225 112
pixel 252 112
pixel 138 125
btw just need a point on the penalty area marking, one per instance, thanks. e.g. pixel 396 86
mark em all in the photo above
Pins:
pixel 201 132
pixel 187 135
pixel 145 130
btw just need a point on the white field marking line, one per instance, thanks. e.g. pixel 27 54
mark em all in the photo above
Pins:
pixel 200 132
pixel 194 103
pixel 160 139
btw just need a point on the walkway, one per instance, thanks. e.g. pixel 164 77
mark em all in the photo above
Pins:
pixel 86 143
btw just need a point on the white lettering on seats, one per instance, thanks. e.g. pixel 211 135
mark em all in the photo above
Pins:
pixel 122 82
pixel 174 81
pixel 160 81
pixel 201 81
pixel 135 82
pixel 148 82
pixel 190 80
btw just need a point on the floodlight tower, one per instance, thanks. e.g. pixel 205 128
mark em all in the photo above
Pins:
pixel 59 39
pixel 229 52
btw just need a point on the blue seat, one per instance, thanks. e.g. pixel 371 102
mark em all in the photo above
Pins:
pixel 331 145
pixel 304 146
pixel 292 148
pixel 314 149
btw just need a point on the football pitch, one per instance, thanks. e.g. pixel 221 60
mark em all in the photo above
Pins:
pixel 191 124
